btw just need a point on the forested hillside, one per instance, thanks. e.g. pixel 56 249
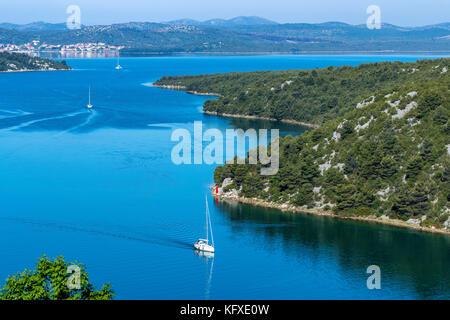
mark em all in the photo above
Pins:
pixel 312 96
pixel 23 62
pixel 242 34
pixel 387 155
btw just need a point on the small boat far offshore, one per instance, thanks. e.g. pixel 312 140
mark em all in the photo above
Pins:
pixel 203 244
pixel 118 67
pixel 89 106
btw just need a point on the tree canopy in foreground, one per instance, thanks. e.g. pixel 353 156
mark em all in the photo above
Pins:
pixel 51 280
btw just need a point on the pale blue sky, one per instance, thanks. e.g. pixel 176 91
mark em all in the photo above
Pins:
pixel 399 12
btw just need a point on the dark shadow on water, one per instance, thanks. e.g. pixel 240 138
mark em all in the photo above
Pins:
pixel 418 261
pixel 285 128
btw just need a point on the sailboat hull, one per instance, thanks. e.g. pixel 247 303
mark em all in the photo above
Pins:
pixel 204 247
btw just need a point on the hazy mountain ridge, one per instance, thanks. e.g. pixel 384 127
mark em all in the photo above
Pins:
pixel 241 34
pixel 34 26
pixel 237 21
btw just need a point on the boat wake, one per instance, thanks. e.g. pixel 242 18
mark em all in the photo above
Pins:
pixel 13 113
pixel 162 240
pixel 91 115
pixel 31 122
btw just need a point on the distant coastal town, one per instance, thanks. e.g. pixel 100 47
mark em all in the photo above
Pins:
pixel 35 47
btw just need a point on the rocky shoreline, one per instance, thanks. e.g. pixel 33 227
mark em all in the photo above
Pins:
pixel 182 88
pixel 330 214
pixel 305 124
pixel 37 70
pixel 229 115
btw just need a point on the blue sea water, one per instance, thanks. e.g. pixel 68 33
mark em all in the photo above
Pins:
pixel 98 186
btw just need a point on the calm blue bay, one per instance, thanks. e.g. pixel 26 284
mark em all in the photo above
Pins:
pixel 99 186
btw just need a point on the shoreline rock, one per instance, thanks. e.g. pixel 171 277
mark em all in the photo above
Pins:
pixel 229 115
pixel 305 124
pixel 182 88
pixel 38 70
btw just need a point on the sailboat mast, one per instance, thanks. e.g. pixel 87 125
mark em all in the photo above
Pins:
pixel 209 222
pixel 207 231
pixel 89 95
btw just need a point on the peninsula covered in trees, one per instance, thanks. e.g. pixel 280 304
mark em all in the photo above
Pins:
pixel 16 62
pixel 382 149
pixel 311 96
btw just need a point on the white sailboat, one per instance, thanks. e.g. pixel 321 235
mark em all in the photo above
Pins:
pixel 118 67
pixel 89 106
pixel 203 244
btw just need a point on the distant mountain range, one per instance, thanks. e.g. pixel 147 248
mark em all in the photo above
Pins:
pixel 240 34
pixel 238 21
pixel 34 26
